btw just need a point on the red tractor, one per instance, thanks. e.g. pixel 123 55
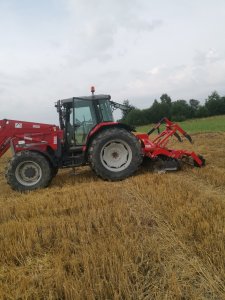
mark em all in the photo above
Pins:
pixel 87 135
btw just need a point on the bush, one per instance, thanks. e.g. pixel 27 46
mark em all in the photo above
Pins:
pixel 178 110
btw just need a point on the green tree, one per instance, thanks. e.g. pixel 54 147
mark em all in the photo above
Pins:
pixel 180 110
pixel 129 107
pixel 194 106
pixel 215 104
pixel 135 118
pixel 166 99
pixel 223 104
pixel 155 112
pixel 165 106
pixel 202 112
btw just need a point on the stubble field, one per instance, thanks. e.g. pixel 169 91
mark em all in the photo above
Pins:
pixel 152 236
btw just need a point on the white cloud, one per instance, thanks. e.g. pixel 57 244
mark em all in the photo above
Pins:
pixel 156 70
pixel 132 49
pixel 206 57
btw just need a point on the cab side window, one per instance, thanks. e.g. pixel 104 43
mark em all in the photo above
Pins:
pixel 84 120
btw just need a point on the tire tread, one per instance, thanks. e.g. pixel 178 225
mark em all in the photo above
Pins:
pixel 121 133
pixel 23 155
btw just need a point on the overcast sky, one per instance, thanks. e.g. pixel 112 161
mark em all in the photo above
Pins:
pixel 131 49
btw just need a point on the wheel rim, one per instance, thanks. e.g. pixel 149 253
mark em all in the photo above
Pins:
pixel 28 173
pixel 116 155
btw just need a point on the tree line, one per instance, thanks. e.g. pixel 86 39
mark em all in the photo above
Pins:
pixel 178 110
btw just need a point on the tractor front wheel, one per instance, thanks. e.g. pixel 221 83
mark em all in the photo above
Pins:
pixel 27 171
pixel 115 154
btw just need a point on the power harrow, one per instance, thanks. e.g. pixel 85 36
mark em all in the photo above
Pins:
pixel 161 158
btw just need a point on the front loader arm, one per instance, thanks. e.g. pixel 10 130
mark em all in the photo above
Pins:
pixel 20 135
pixel 5 137
pixel 5 145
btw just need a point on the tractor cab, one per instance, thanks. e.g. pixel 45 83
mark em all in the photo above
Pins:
pixel 79 115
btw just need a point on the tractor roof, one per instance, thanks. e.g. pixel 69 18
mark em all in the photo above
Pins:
pixel 91 98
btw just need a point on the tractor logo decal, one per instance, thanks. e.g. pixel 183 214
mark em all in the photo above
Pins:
pixel 18 125
pixel 36 126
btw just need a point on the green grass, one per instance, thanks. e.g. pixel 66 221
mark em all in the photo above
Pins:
pixel 209 124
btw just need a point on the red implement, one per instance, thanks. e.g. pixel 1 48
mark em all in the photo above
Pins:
pixel 158 146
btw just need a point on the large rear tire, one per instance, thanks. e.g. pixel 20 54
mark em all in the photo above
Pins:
pixel 115 154
pixel 28 171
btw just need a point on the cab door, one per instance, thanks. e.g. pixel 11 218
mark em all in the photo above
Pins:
pixel 84 119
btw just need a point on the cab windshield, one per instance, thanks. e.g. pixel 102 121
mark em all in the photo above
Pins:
pixel 105 110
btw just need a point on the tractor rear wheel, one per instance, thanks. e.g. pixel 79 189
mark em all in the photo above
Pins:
pixel 27 171
pixel 115 154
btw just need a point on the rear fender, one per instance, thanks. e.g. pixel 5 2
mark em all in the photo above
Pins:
pixel 101 127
